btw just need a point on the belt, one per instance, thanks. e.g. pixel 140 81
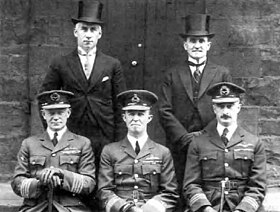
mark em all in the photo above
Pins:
pixel 229 184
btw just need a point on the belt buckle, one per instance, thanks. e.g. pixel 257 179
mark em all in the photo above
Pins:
pixel 228 186
pixel 135 195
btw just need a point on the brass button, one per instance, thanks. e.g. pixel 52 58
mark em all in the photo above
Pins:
pixel 136 161
pixel 136 187
pixel 136 175
pixel 226 150
pixel 53 155
pixel 226 164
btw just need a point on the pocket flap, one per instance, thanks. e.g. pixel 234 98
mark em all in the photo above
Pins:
pixel 37 160
pixel 123 169
pixel 151 169
pixel 68 159
pixel 208 156
pixel 244 155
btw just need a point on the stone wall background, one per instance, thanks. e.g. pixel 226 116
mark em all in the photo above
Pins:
pixel 247 41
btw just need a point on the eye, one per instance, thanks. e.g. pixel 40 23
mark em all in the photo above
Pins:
pixel 201 41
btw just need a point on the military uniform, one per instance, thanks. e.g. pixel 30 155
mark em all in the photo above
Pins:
pixel 72 155
pixel 125 176
pixel 133 179
pixel 230 175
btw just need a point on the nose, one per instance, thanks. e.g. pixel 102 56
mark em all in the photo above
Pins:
pixel 197 44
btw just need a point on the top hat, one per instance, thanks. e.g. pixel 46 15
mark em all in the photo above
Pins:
pixel 197 25
pixel 55 99
pixel 137 99
pixel 225 92
pixel 89 13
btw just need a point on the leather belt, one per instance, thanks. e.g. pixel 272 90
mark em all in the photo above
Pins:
pixel 229 184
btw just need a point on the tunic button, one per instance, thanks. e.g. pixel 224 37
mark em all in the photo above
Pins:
pixel 226 164
pixel 245 158
pixel 136 161
pixel 120 173
pixel 154 172
pixel 226 178
pixel 136 187
pixel 33 162
pixel 135 200
pixel 71 162
pixel 136 175
pixel 205 158
pixel 226 192
pixel 73 195
pixel 53 155
pixel 226 150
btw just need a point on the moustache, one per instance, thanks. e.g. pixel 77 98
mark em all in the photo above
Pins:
pixel 225 116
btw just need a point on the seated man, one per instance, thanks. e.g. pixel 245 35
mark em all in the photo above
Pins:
pixel 225 169
pixel 136 173
pixel 54 168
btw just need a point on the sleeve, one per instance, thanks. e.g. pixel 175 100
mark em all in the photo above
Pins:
pixel 22 183
pixel 82 182
pixel 169 122
pixel 167 196
pixel 192 180
pixel 256 186
pixel 52 80
pixel 119 85
pixel 109 200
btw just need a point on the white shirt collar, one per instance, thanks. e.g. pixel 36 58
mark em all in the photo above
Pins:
pixel 141 140
pixel 200 68
pixel 231 129
pixel 82 52
pixel 59 133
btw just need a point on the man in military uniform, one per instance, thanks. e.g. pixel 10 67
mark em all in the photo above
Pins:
pixel 137 174
pixel 226 165
pixel 54 168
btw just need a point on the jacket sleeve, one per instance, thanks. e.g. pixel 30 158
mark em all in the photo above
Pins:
pixel 256 186
pixel 109 200
pixel 119 85
pixel 192 180
pixel 23 184
pixel 169 122
pixel 82 182
pixel 167 196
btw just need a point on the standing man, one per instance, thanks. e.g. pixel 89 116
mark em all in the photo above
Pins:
pixel 184 107
pixel 54 168
pixel 137 174
pixel 226 165
pixel 93 77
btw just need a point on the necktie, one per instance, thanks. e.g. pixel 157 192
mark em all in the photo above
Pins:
pixel 87 65
pixel 223 136
pixel 54 140
pixel 196 74
pixel 137 148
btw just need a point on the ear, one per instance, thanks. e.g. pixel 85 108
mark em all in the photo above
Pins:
pixel 185 45
pixel 209 45
pixel 75 32
pixel 100 33
pixel 150 118
pixel 43 114
pixel 68 112
pixel 123 117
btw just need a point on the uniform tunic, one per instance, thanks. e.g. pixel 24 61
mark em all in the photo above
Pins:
pixel 242 162
pixel 148 176
pixel 73 154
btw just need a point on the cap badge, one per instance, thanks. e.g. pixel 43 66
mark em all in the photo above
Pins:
pixel 55 97
pixel 224 91
pixel 135 98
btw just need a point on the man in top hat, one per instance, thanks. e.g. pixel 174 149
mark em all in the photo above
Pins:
pixel 226 165
pixel 93 77
pixel 184 107
pixel 54 168
pixel 137 174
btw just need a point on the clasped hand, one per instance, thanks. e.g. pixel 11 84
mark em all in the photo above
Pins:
pixel 52 177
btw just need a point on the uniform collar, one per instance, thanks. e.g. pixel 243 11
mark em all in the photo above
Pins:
pixel 231 129
pixel 60 133
pixel 141 140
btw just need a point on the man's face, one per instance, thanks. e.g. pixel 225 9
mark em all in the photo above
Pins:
pixel 226 113
pixel 137 121
pixel 87 35
pixel 197 47
pixel 56 118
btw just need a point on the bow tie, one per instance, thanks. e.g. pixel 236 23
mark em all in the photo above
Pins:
pixel 195 64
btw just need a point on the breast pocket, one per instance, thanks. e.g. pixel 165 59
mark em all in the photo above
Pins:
pixel 37 163
pixel 151 172
pixel 208 163
pixel 243 160
pixel 121 173
pixel 69 162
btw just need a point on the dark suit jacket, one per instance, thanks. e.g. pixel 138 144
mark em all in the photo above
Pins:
pixel 177 108
pixel 73 154
pixel 125 176
pixel 95 113
pixel 242 161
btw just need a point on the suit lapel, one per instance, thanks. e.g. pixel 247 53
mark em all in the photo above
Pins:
pixel 184 75
pixel 97 69
pixel 128 148
pixel 214 136
pixel 208 75
pixel 64 141
pixel 146 150
pixel 237 137
pixel 46 141
pixel 77 69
